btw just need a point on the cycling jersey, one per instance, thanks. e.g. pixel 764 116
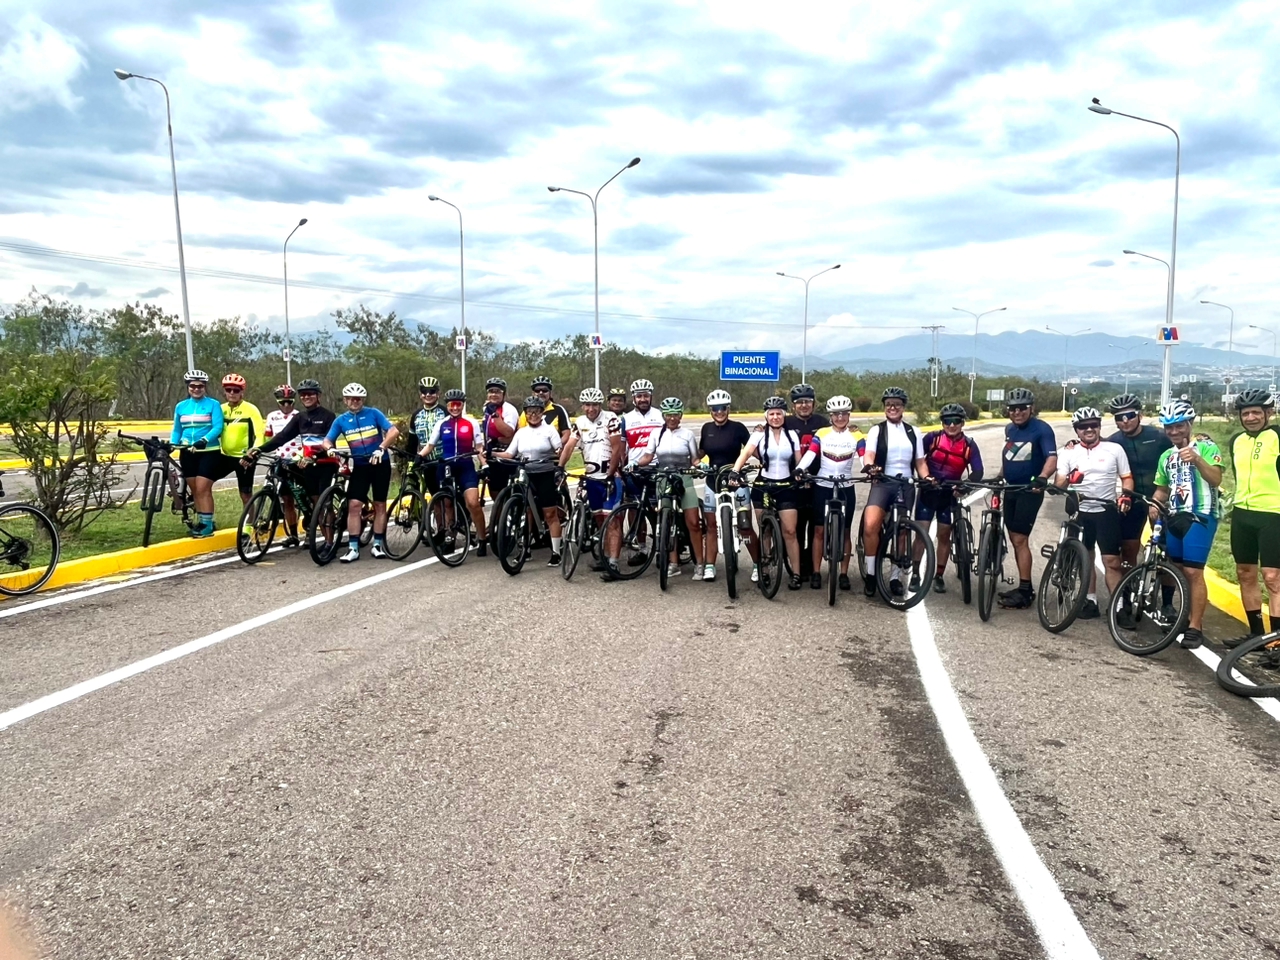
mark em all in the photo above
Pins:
pixel 1189 491
pixel 805 428
pixel 540 445
pixel 197 419
pixel 901 449
pixel 275 424
pixel 1144 451
pixel 506 413
pixel 1026 449
pixel 595 438
pixel 363 431
pixel 1101 467
pixel 242 428
pixel 424 424
pixel 837 452
pixel 1255 459
pixel 776 450
pixel 723 443
pixel 636 428
pixel 673 448
pixel 309 427
pixel 455 437
pixel 949 458
pixel 553 414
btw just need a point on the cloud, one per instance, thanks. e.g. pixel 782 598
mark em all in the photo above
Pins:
pixel 734 173
pixel 81 289
pixel 1102 263
pixel 38 65
pixel 153 293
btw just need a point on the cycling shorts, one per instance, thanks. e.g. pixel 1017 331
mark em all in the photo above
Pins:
pixel 1133 523
pixel 1192 549
pixel 367 477
pixel 822 494
pixel 316 478
pixel 887 489
pixel 218 465
pixel 1021 507
pixel 464 472
pixel 639 488
pixel 500 474
pixel 1255 537
pixel 546 492
pixel 198 463
pixel 689 499
pixel 784 498
pixel 1103 529
pixel 936 503
pixel 601 494
pixel 740 496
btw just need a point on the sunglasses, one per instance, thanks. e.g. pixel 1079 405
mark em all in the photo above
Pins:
pixel 232 390
pixel 427 393
pixel 307 393
pixel 1089 425
pixel 720 408
pixel 952 421
pixel 1125 417
pixel 196 385
pixel 1020 406
pixel 284 400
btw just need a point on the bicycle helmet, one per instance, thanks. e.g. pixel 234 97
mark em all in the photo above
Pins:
pixel 309 386
pixel 617 392
pixel 839 405
pixel 641 386
pixel 285 392
pixel 496 383
pixel 671 406
pixel 952 410
pixel 195 376
pixel 894 393
pixel 354 390
pixel 428 383
pixel 1254 398
pixel 1086 415
pixel 540 382
pixel 774 403
pixel 590 395
pixel 802 391
pixel 1177 411
pixel 534 403
pixel 1018 396
pixel 1124 401
pixel 454 396
pixel 719 397
pixel 233 380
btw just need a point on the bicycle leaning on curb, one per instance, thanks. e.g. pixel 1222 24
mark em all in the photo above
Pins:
pixel 29 548
pixel 162 473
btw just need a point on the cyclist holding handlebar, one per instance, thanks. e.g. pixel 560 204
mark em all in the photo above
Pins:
pixel 675 446
pixel 837 449
pixel 950 454
pixel 1030 457
pixel 197 427
pixel 539 444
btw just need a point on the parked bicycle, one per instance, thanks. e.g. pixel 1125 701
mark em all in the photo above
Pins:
pixel 836 520
pixel 905 549
pixel 580 533
pixel 29 548
pixel 631 527
pixel 963 547
pixel 448 521
pixel 1064 585
pixel 163 474
pixel 263 516
pixel 674 536
pixel 520 522
pixel 1152 603
pixel 993 544
pixel 328 524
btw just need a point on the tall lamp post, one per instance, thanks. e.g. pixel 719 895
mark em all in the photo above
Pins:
pixel 1167 374
pixel 1275 335
pixel 177 218
pixel 1231 340
pixel 288 343
pixel 462 286
pixel 1127 350
pixel 973 365
pixel 1066 343
pixel 804 341
pixel 595 223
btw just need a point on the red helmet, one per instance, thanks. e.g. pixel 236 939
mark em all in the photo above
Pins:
pixel 286 392
pixel 233 380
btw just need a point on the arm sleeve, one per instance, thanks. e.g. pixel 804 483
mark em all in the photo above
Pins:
pixel 1162 471
pixel 975 461
pixel 1048 444
pixel 215 431
pixel 381 420
pixel 335 429
pixel 289 431
pixel 1122 463
pixel 557 444
pixel 258 428
pixel 868 448
pixel 513 448
pixel 434 439
pixel 176 434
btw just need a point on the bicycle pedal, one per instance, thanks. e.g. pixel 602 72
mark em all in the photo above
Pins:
pixel 1048 550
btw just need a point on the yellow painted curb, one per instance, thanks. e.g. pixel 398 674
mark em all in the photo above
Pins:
pixel 1224 595
pixel 120 458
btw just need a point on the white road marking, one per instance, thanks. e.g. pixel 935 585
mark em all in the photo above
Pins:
pixel 1056 924
pixel 28 710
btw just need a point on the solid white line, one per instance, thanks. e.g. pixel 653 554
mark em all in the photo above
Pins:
pixel 1056 924
pixel 28 710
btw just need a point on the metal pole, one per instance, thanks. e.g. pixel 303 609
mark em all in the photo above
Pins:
pixel 934 362
pixel 288 343
pixel 1254 326
pixel 973 366
pixel 1066 342
pixel 804 343
pixel 462 287
pixel 1231 340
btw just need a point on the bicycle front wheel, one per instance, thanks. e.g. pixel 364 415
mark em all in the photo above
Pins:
pixel 729 548
pixel 258 522
pixel 448 528
pixel 630 529
pixel 1063 586
pixel 964 557
pixel 832 551
pixel 328 519
pixel 772 551
pixel 1140 621
pixel 513 534
pixel 897 571
pixel 666 542
pixel 575 540
pixel 29 549
pixel 1236 670
pixel 404 524
pixel 988 570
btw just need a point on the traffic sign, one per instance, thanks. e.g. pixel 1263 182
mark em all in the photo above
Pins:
pixel 995 396
pixel 750 365
pixel 460 342
pixel 597 342
pixel 284 355
pixel 1168 336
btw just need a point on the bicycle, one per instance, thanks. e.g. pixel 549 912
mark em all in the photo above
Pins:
pixel 515 533
pixel 1139 597
pixel 962 540
pixel 993 545
pixel 29 548
pixel 329 518
pixel 1064 585
pixel 834 525
pixel 580 533
pixel 264 513
pixel 770 546
pixel 734 520
pixel 1260 652
pixel 674 536
pixel 905 545
pixel 162 472
pixel 406 509
pixel 632 525
pixel 448 521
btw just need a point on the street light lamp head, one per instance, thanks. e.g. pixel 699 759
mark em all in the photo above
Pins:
pixel 1097 107
pixel 432 196
pixel 302 222
pixel 780 273
pixel 554 189
pixel 1130 252
pixel 836 267
pixel 633 163
pixel 123 74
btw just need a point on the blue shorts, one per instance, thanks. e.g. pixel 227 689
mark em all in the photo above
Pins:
pixel 936 503
pixel 1193 549
pixel 464 471
pixel 601 494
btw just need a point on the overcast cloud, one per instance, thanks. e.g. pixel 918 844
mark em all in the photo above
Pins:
pixel 941 152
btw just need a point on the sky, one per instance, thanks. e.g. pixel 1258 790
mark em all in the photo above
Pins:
pixel 941 153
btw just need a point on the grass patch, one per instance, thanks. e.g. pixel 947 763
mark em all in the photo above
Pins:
pixel 121 528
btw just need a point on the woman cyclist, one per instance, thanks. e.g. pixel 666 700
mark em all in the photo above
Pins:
pixel 676 447
pixel 275 423
pixel 950 454
pixel 722 440
pixel 894 451
pixel 368 433
pixel 197 427
pixel 459 439
pixel 838 449
pixel 778 450
pixel 539 444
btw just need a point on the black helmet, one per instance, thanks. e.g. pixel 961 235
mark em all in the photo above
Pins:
pixel 309 386
pixel 775 403
pixel 952 410
pixel 1125 401
pixel 894 393
pixel 540 382
pixel 496 383
pixel 803 391
pixel 617 392
pixel 455 396
pixel 534 403
pixel 1018 396
pixel 1254 398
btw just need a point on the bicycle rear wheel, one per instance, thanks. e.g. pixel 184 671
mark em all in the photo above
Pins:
pixel 832 551
pixel 152 501
pixel 448 528
pixel 29 549
pixel 666 542
pixel 258 522
pixel 988 569
pixel 1136 616
pixel 1237 670
pixel 513 535
pixel 404 524
pixel 964 557
pixel 1063 586
pixel 772 551
pixel 324 533
pixel 729 548
pixel 632 528
pixel 576 535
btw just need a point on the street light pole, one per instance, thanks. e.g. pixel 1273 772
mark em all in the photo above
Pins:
pixel 804 340
pixel 462 286
pixel 934 361
pixel 595 226
pixel 177 217
pixel 1116 346
pixel 973 365
pixel 288 343
pixel 1167 374
pixel 1066 343
pixel 1274 338
pixel 1231 340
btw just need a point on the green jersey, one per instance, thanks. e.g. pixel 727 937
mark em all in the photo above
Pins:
pixel 1189 491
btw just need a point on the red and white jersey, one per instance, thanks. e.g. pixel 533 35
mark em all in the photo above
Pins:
pixel 637 428
pixel 275 422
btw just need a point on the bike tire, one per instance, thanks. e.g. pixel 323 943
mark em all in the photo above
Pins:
pixel 772 552
pixel 366 525
pixel 832 533
pixel 499 502
pixel 405 513
pixel 665 533
pixel 964 558
pixel 513 535
pixel 988 570
pixel 1234 679
pixel 29 549
pixel 896 552
pixel 729 548
pixel 448 520
pixel 258 522
pixel 575 535
pixel 328 521
pixel 1063 586
pixel 1141 587
pixel 634 527
pixel 152 486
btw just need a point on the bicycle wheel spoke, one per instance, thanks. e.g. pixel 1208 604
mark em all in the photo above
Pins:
pixel 29 549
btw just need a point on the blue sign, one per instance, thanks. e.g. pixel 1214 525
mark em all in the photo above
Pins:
pixel 750 365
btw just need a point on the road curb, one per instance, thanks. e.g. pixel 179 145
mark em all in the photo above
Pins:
pixel 20 464
pixel 1224 595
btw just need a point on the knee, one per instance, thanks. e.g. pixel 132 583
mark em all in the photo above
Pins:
pixel 1271 575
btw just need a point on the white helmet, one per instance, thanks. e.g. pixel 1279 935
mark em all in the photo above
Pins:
pixel 354 390
pixel 1085 415
pixel 718 397
pixel 591 395
pixel 196 376
pixel 642 386
pixel 839 405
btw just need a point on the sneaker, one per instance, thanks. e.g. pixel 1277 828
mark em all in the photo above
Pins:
pixel 698 571
pixel 483 549
pixel 352 554
pixel 755 573
pixel 379 550
pixel 600 566
pixel 1089 611
pixel 636 561
pixel 939 585
pixel 1270 659
pixel 610 573
pixel 794 583
pixel 868 585
pixel 710 572
pixel 1232 642
pixel 1009 594
pixel 815 581
pixel 291 543
pixel 1191 639
pixel 915 583
pixel 553 560
pixel 1017 600
pixel 673 570
pixel 895 587
pixel 844 582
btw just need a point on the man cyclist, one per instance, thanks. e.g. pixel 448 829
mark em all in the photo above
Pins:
pixel 458 438
pixel 368 433
pixel 197 426
pixel 1030 456
pixel 538 443
pixel 553 413
pixel 676 447
pixel 637 425
pixel 1187 480
pixel 1255 515
pixel 1144 445
pixel 1097 467
pixel 599 434
pixel 894 452
pixel 836 449
pixel 274 423
pixel 421 427
pixel 805 423
pixel 242 430
pixel 721 441
pixel 316 469
pixel 617 401
pixel 951 454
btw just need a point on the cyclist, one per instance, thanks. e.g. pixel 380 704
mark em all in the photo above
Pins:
pixel 951 454
pixel 894 452
pixel 274 423
pixel 539 443
pixel 721 441
pixel 617 401
pixel 197 425
pixel 421 427
pixel 1144 445
pixel 1097 467
pixel 368 433
pixel 553 413
pixel 242 430
pixel 675 446
pixel 1030 455
pixel 1187 480
pixel 805 423
pixel 836 449
pixel 779 450
pixel 458 438
pixel 316 469
pixel 637 425
pixel 1255 516
pixel 599 434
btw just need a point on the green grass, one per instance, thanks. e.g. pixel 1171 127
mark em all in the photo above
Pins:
pixel 121 528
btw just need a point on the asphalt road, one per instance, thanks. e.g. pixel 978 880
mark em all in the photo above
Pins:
pixel 454 763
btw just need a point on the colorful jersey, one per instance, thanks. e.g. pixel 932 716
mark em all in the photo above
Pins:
pixel 777 454
pixel 242 428
pixel 595 437
pixel 1144 451
pixel 949 458
pixel 275 423
pixel 507 414
pixel 636 428
pixel 540 445
pixel 363 431
pixel 455 437
pixel 424 425
pixel 673 448
pixel 1026 449
pixel 197 420
pixel 1256 462
pixel 838 453
pixel 1100 468
pixel 1189 491
pixel 309 427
